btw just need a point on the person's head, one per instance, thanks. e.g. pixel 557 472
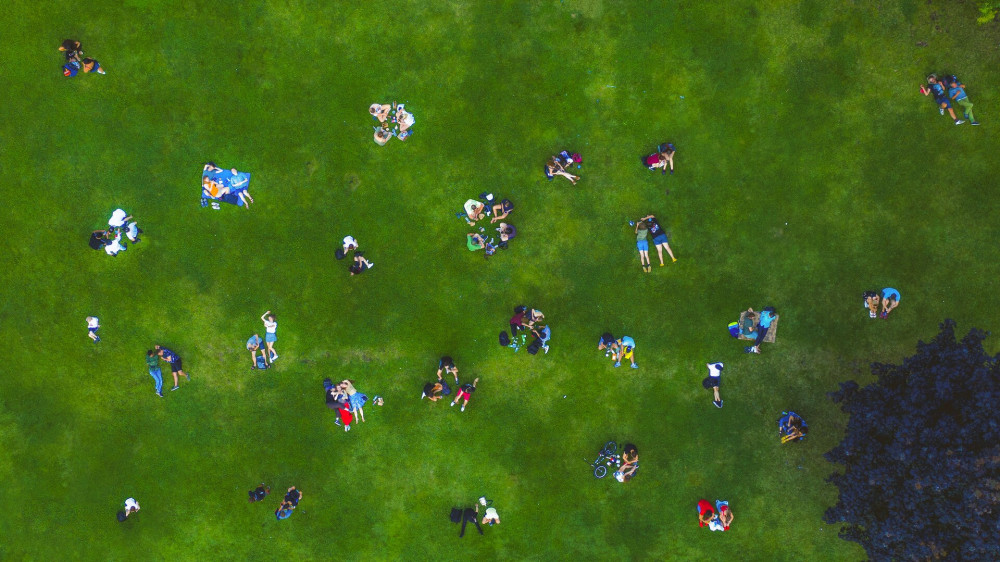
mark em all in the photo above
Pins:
pixel 953 84
pixel 270 317
pixel 88 61
pixel 630 451
pixel 507 230
pixel 150 353
pixel 932 78
pixel 642 226
pixel 552 162
pixel 375 109
pixel 69 45
pixel 355 269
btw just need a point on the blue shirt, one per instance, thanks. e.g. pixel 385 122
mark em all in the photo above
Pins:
pixel 254 341
pixel 628 342
pixel 168 356
pixel 956 90
pixel 283 513
pixel 938 89
pixel 546 333
pixel 766 318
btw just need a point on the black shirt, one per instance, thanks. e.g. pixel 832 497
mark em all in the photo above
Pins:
pixel 654 227
pixel 97 240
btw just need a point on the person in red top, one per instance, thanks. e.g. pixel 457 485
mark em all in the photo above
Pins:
pixel 705 512
pixel 517 321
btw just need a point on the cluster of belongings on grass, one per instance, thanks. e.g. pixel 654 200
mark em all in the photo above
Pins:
pixel 226 186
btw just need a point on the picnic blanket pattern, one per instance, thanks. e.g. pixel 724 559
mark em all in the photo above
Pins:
pixel 772 332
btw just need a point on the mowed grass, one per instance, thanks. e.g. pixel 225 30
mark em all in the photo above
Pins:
pixel 809 169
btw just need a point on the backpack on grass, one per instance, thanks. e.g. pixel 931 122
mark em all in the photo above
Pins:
pixel 504 339
pixel 535 346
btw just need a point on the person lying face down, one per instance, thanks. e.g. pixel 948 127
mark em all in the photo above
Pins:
pixel 360 265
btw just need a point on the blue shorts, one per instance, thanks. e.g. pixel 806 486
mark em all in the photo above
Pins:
pixel 643 245
pixel 942 100
pixel 660 239
pixel 890 293
pixel 93 330
pixel 271 337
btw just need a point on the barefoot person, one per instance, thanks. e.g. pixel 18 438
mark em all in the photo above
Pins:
pixel 176 367
pixel 553 167
pixel 253 344
pixel 659 238
pixel 270 333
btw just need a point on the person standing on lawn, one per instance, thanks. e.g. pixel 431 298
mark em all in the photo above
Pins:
pixel 175 364
pixel 153 362
pixel 270 333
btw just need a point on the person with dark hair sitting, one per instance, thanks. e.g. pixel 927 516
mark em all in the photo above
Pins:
pixel 293 496
pixel 507 232
pixel 630 464
pixel 502 209
pixel 259 493
pixel 73 50
pixel 792 427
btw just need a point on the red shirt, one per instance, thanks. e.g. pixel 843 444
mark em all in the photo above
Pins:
pixel 703 508
pixel 517 319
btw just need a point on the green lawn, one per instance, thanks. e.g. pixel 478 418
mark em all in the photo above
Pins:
pixel 809 169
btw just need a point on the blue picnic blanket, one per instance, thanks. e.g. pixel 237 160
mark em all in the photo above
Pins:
pixel 225 178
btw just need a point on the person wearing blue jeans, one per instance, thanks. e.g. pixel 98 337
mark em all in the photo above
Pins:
pixel 767 316
pixel 153 362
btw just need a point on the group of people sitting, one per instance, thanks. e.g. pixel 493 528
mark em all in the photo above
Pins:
pixel 557 165
pixel 227 186
pixel 346 401
pixel 617 349
pixel 475 210
pixel 435 391
pixel 718 518
pixel 393 121
pixel 110 239
pixel 359 263
pixel 526 321
pixel 75 62
pixel 889 298
pixel 756 326
pixel 791 427
pixel 662 159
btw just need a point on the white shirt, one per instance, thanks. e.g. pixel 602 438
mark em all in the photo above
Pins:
pixel 270 326
pixel 130 503
pixel 117 218
pixel 491 513
pixel 714 369
pixel 470 207
pixel 115 246
pixel 92 322
pixel 350 241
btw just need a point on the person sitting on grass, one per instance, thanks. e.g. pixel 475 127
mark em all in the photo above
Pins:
pixel 507 232
pixel 260 493
pixel 501 210
pixel 767 316
pixel 360 265
pixel 474 211
pixel 554 167
pixel 705 513
pixel 357 400
pixel 606 343
pixel 544 334
pixel 72 49
pixel 253 344
pixel 382 135
pixel 404 119
pixel 284 510
pixel 380 111
pixel 792 427
pixel 641 231
pixel 91 65
pixel 749 327
pixel 433 391
pixel 630 463
pixel 491 517
pixel 465 392
pixel 475 242
pixel 533 315
pixel 662 159
pixel 890 300
pixel 624 349
pixel 871 303
pixel 447 365
pixel 724 518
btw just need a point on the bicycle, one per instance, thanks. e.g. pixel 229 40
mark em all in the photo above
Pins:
pixel 605 458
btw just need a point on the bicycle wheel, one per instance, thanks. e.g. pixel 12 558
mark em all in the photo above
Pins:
pixel 601 471
pixel 609 448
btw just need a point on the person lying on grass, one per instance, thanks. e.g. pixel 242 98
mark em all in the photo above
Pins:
pixel 433 391
pixel 357 400
pixel 465 392
pixel 507 231
pixel 940 96
pixel 641 232
pixel 793 429
pixel 259 493
pixel 663 159
pixel 447 365
pixel 554 167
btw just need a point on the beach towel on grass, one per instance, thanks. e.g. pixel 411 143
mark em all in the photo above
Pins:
pixel 236 183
